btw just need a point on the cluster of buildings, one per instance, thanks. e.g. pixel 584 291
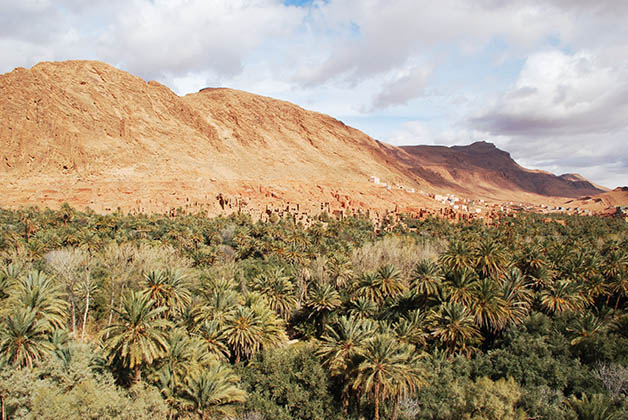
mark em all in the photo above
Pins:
pixel 375 180
pixel 270 207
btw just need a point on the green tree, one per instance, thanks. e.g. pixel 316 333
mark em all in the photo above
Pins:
pixel 490 257
pixel 323 299
pixel 278 290
pixel 24 339
pixel 38 292
pixel 213 392
pixel 561 296
pixel 139 336
pixel 169 289
pixel 427 277
pixel 289 384
pixel 458 257
pixel 388 370
pixel 487 306
pixel 598 407
pixel 455 328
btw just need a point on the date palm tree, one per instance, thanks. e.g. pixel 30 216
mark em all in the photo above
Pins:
pixel 487 306
pixel 342 342
pixel 615 264
pixel 541 277
pixel 619 287
pixel 388 370
pixel 217 302
pixel 458 256
pixel 390 282
pixel 596 286
pixel 212 335
pixel 586 326
pixel 38 292
pixel 459 286
pixel 531 258
pixel 24 338
pixel 243 332
pixel 213 392
pixel 278 290
pixel 490 257
pixel 367 287
pixel 455 327
pixel 139 335
pixel 427 277
pixel 561 296
pixel 171 391
pixel 340 270
pixel 7 282
pixel 598 407
pixel 362 308
pixel 414 328
pixel 185 354
pixel 252 326
pixel 340 348
pixel 517 297
pixel 169 288
pixel 323 299
pixel 273 327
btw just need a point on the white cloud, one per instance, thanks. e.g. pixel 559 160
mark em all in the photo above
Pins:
pixel 183 36
pixel 568 112
pixel 561 95
pixel 393 32
pixel 409 85
pixel 411 132
pixel 155 39
pixel 373 61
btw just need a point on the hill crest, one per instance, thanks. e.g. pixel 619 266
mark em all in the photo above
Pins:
pixel 87 133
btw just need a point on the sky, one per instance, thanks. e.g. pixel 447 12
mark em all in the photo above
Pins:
pixel 546 80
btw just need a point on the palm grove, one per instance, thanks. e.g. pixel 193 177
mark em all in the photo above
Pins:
pixel 144 317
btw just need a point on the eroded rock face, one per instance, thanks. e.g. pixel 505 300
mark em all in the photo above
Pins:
pixel 481 168
pixel 88 134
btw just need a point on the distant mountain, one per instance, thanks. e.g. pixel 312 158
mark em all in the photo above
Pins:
pixel 89 134
pixel 483 169
pixel 598 202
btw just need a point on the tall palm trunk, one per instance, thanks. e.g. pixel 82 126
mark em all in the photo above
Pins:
pixel 321 326
pixel 345 403
pixel 358 400
pixel 86 306
pixel 111 303
pixel 73 305
pixel 377 401
pixel 138 375
pixel 395 413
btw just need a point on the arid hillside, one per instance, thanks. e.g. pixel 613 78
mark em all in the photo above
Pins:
pixel 86 133
pixel 597 203
pixel 483 169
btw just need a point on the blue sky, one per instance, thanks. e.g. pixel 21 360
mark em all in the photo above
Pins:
pixel 546 80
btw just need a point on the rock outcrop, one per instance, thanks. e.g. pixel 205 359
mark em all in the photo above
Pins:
pixel 86 133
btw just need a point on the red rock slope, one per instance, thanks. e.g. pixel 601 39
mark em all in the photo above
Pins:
pixel 484 170
pixel 86 133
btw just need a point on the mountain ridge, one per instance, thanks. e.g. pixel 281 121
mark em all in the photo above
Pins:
pixel 491 169
pixel 87 133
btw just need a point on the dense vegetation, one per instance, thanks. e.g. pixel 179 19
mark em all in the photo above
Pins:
pixel 147 317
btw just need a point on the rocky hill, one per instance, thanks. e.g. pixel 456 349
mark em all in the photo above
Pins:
pixel 88 134
pixel 483 169
pixel 599 202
